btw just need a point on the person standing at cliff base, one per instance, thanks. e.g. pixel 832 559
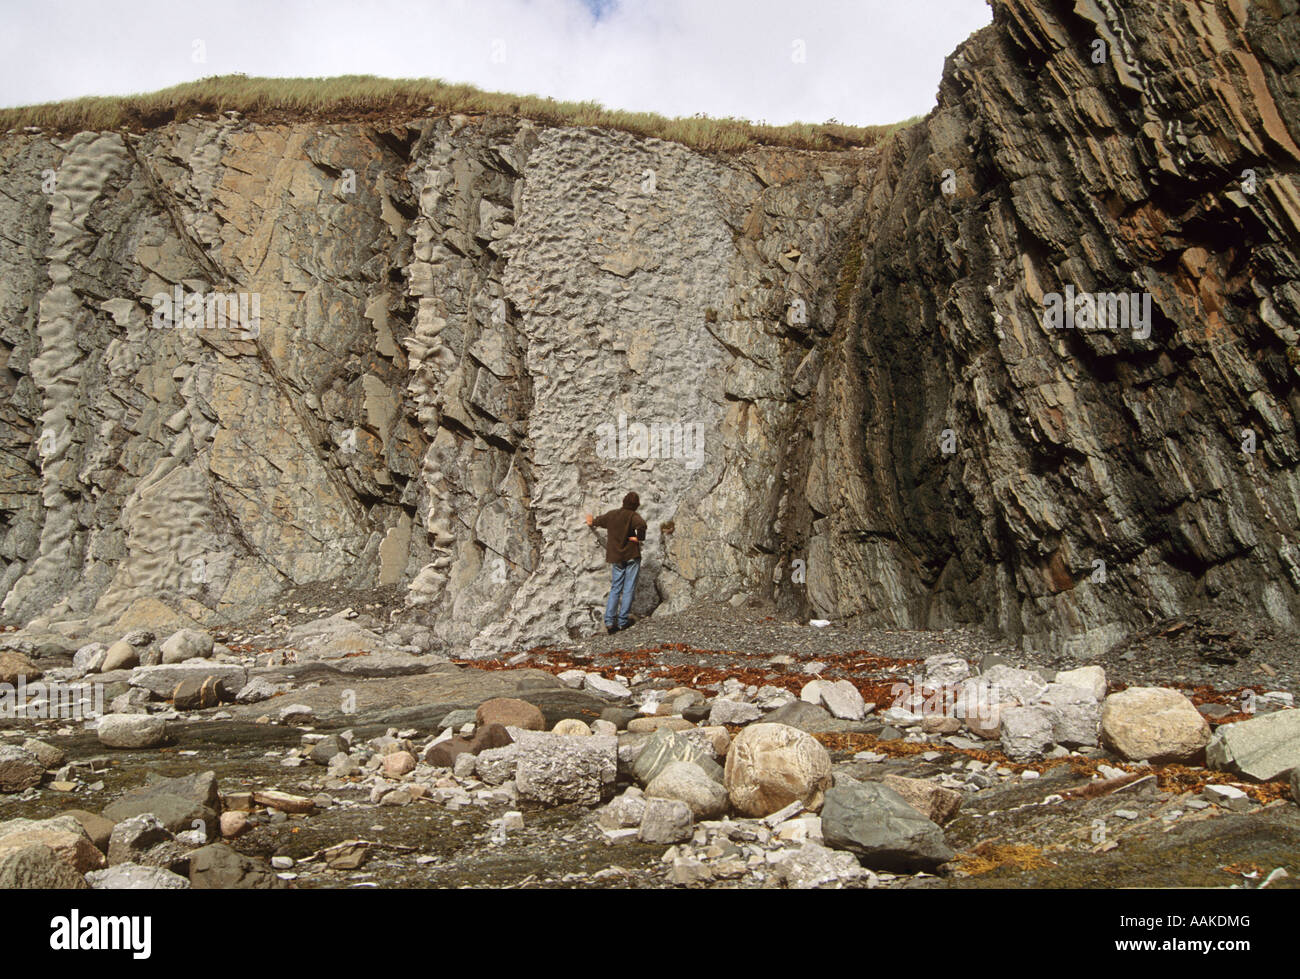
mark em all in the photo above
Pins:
pixel 625 533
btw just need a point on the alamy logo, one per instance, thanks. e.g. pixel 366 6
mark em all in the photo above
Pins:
pixel 102 932
pixel 209 311
pixel 51 700
pixel 1098 311
pixel 654 441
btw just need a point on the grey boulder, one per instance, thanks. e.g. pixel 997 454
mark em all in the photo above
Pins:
pixel 131 731
pixel 1264 748
pixel 554 768
pixel 874 822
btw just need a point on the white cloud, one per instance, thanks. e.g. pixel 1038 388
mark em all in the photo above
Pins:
pixel 867 61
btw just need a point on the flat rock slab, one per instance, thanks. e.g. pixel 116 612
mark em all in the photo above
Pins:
pixel 283 801
pixel 218 867
pixel 423 700
pixel 162 680
pixel 177 802
pixel 1263 748
pixel 369 666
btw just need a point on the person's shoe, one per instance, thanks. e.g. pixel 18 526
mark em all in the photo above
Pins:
pixel 630 622
pixel 611 629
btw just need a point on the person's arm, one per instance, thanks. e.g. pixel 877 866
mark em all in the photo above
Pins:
pixel 600 521
pixel 638 532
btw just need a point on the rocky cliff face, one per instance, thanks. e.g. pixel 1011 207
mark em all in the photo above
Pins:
pixel 1094 479
pixel 827 375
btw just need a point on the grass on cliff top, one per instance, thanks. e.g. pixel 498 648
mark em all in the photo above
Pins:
pixel 367 98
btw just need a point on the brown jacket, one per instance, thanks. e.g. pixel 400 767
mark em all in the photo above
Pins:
pixel 621 525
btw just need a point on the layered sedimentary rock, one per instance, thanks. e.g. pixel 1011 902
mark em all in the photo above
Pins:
pixel 829 376
pixel 1068 484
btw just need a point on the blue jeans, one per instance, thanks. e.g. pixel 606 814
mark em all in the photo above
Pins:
pixel 622 585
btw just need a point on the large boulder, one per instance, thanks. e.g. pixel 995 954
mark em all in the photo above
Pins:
pixel 218 867
pixel 1090 679
pixel 1153 724
pixel 198 693
pixel 665 821
pixel 496 765
pixel 623 812
pixel 297 714
pixel 48 755
pixel 945 669
pixel 186 644
pixel 162 680
pixel 486 737
pixel 1026 733
pixel 38 867
pixel 609 689
pixel 133 838
pixel 1007 683
pixel 840 697
pixel 177 802
pixel 724 711
pixel 99 829
pixel 62 834
pixel 15 667
pixel 554 768
pixel 89 658
pixel 664 747
pixel 324 750
pixel 1264 748
pixel 510 712
pixel 689 783
pixel 1074 711
pixel 19 768
pixel 119 656
pixel 770 766
pixel 985 721
pixel 131 731
pixel 876 823
pixel 397 763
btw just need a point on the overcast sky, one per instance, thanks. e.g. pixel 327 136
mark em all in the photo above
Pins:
pixel 858 61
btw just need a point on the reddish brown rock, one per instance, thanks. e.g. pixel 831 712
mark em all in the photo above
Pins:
pixel 14 666
pixel 443 754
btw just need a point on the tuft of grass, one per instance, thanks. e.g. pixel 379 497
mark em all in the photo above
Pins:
pixel 349 98
pixel 989 856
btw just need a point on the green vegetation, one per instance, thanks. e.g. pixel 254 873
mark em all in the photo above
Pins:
pixel 351 98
